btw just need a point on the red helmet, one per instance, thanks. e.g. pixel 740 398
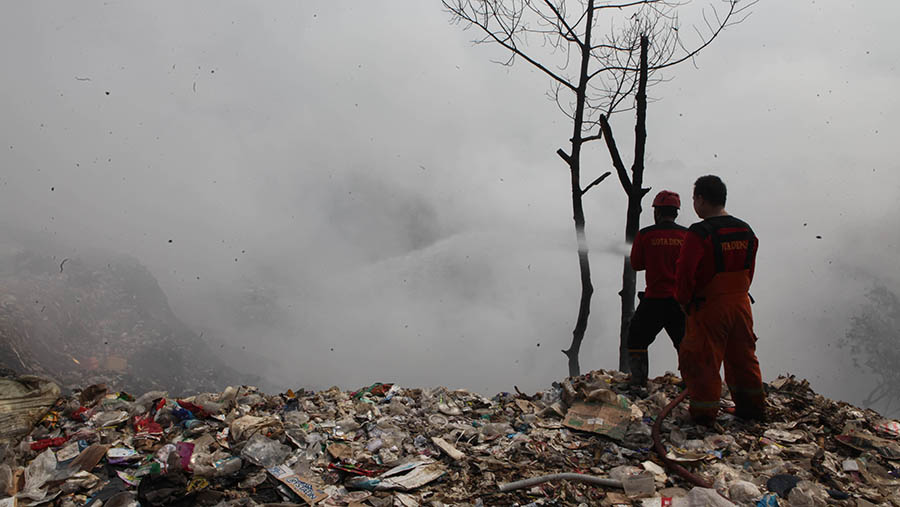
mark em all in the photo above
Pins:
pixel 666 198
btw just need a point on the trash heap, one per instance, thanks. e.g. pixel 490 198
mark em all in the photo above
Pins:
pixel 100 320
pixel 386 445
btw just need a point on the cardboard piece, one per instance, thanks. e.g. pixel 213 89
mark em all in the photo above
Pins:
pixel 525 406
pixel 602 418
pixel 17 483
pixel 304 489
pixel 89 458
pixel 340 451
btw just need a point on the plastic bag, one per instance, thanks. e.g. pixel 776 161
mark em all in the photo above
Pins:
pixel 744 492
pixel 37 473
pixel 265 452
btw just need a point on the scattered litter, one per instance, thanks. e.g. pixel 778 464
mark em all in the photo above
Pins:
pixel 584 441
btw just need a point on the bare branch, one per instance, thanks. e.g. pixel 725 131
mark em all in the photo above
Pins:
pixel 505 37
pixel 626 5
pixel 614 154
pixel 715 33
pixel 562 20
pixel 595 182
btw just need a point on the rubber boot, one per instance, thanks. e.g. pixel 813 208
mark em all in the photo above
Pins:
pixel 749 407
pixel 639 364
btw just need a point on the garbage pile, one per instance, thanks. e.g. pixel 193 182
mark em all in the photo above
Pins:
pixel 89 320
pixel 387 445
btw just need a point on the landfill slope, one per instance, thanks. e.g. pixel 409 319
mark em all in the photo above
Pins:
pixel 82 322
pixel 386 445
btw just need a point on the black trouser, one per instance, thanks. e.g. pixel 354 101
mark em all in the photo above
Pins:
pixel 651 317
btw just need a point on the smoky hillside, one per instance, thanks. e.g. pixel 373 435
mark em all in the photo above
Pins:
pixel 100 318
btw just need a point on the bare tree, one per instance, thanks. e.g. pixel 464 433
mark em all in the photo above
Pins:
pixel 872 339
pixel 594 77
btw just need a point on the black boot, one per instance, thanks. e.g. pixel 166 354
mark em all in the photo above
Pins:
pixel 639 364
pixel 749 407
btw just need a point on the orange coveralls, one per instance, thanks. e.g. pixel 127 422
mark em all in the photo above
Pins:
pixel 713 275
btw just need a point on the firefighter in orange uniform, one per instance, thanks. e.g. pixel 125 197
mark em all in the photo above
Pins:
pixel 655 250
pixel 713 275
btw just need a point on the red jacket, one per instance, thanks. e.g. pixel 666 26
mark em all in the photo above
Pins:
pixel 715 245
pixel 656 249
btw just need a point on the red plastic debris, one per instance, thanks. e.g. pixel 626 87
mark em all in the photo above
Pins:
pixel 40 445
pixel 80 414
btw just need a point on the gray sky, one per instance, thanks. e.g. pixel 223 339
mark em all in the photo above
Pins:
pixel 400 195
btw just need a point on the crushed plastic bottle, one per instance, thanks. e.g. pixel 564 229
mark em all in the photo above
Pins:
pixel 228 466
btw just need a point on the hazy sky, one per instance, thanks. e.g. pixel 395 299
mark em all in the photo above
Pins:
pixel 400 195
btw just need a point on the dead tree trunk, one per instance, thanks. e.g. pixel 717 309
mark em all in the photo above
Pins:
pixel 633 218
pixel 574 161
pixel 635 192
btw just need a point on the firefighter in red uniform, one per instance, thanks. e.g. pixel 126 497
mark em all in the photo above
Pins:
pixel 656 249
pixel 713 278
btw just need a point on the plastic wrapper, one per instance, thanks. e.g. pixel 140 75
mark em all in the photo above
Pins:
pixel 265 452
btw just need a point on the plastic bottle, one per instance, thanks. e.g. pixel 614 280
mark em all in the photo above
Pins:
pixel 204 464
pixel 228 466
